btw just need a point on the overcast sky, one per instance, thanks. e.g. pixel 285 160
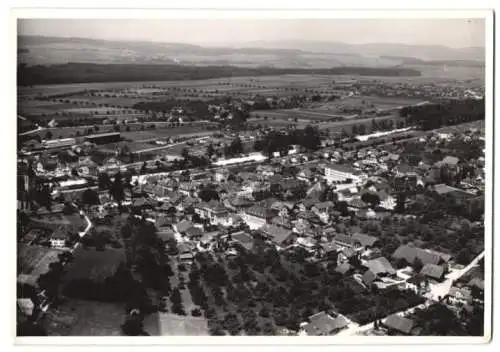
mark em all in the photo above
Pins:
pixel 449 32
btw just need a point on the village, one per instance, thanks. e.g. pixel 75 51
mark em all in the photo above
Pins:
pixel 375 235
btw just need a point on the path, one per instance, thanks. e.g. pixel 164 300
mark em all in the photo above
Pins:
pixel 441 289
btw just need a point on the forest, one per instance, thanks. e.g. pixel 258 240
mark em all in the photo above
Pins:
pixel 91 73
pixel 437 115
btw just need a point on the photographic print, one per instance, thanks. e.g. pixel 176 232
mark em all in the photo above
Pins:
pixel 251 175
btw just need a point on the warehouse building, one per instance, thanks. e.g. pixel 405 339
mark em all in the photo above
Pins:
pixel 104 138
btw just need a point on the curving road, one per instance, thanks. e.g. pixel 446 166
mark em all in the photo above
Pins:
pixel 436 291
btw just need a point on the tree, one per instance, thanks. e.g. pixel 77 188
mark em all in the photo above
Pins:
pixel 354 129
pixel 464 256
pixel 132 326
pixel 210 150
pixel 371 198
pixel 185 154
pixel 207 194
pixel 74 172
pixel 361 129
pixel 196 312
pixel 90 197
pixel 117 189
pixel 400 203
pixel 417 265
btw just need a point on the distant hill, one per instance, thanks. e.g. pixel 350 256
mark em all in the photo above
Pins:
pixel 415 61
pixel 39 50
pixel 424 52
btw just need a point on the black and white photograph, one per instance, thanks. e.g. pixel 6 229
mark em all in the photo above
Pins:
pixel 253 176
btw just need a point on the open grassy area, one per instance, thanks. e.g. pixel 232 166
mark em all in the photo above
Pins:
pixel 85 318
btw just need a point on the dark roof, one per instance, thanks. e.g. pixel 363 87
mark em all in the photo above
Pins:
pixel 278 234
pixel 409 253
pixel 240 201
pixel 368 277
pixel 213 205
pixel 184 247
pixel 365 240
pixel 404 168
pixel 380 266
pixel 329 247
pixel 323 324
pixel 244 239
pixel 343 268
pixel 184 225
pixel 477 282
pixel 194 231
pixel 342 239
pixel 165 235
pixel 445 189
pixel 433 271
pixel 357 203
pixel 349 252
pixel 324 205
pixel 278 220
pixel 258 211
pixel 398 323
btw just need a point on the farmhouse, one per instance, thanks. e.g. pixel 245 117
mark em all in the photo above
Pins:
pixel 409 254
pixel 433 271
pixel 397 324
pixel 322 324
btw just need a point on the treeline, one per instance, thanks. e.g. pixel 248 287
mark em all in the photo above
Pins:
pixel 308 138
pixel 417 61
pixel 87 72
pixel 437 115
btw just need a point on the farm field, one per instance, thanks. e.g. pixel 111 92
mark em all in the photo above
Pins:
pixel 285 82
pixel 86 318
pixel 163 129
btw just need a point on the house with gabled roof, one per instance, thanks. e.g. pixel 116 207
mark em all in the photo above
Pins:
pixel 242 240
pixel 256 216
pixel 380 266
pixel 410 253
pixel 323 324
pixel 398 324
pixel 280 236
pixel 433 271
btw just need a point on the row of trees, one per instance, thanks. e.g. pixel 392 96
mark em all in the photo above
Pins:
pixel 86 72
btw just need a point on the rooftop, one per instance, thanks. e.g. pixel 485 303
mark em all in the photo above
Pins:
pixel 398 323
